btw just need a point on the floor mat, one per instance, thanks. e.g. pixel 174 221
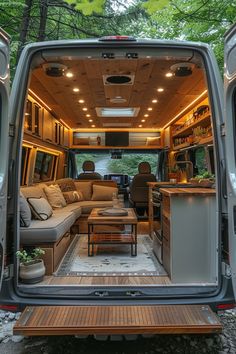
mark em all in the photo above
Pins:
pixel 110 260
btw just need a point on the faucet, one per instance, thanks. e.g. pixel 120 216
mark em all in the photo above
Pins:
pixel 189 174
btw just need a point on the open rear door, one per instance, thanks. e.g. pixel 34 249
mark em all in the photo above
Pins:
pixel 4 126
pixel 230 121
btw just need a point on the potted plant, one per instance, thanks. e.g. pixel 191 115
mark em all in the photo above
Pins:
pixel 204 179
pixel 32 269
pixel 173 173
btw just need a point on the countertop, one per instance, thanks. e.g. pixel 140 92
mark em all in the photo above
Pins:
pixel 188 191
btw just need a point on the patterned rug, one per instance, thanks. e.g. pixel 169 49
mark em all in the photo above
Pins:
pixel 110 260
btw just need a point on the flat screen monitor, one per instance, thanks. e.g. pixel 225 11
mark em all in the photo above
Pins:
pixel 116 179
pixel 117 138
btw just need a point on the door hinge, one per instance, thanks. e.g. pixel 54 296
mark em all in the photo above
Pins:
pixel 226 270
pixel 11 130
pixel 222 129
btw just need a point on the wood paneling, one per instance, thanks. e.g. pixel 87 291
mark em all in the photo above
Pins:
pixel 149 74
pixel 105 319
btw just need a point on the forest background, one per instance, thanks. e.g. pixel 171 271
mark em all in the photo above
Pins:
pixel 41 20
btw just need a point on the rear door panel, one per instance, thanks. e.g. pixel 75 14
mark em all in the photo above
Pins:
pixel 230 120
pixel 4 95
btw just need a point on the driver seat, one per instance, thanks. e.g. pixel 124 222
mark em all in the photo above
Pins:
pixel 139 188
pixel 89 171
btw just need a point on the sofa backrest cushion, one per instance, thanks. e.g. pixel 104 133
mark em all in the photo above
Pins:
pixel 73 196
pixel 103 192
pixel 35 191
pixel 40 207
pixel 85 187
pixel 55 196
pixel 25 212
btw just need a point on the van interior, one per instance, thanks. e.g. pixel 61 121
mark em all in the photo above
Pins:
pixel 106 129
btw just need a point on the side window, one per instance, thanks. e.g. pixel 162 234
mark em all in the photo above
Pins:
pixel 200 161
pixel 25 159
pixel 45 166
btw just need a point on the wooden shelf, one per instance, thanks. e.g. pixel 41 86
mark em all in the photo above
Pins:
pixel 203 141
pixel 203 121
pixel 181 146
pixel 103 147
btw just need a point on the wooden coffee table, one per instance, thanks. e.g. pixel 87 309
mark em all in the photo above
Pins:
pixel 126 236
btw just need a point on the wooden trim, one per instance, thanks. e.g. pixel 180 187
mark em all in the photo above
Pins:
pixel 105 319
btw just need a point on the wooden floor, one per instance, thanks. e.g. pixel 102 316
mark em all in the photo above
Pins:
pixel 105 319
pixel 125 280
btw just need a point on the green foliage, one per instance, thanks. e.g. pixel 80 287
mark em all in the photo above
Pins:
pixel 204 175
pixel 26 257
pixel 87 7
pixel 129 163
pixel 153 6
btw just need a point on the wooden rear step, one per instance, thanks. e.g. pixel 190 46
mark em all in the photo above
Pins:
pixel 86 320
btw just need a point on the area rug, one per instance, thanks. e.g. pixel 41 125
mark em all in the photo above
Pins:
pixel 110 260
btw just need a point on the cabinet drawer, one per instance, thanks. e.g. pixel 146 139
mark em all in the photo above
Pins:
pixel 60 248
pixel 166 227
pixel 166 258
pixel 166 204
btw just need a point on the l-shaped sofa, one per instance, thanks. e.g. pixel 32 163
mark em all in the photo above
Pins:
pixel 54 232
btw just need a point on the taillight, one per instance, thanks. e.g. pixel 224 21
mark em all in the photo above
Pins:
pixel 117 38
pixel 13 308
pixel 225 306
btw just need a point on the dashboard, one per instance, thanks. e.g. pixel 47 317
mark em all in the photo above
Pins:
pixel 121 179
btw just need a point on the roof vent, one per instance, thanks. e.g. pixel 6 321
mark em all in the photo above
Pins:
pixel 118 99
pixel 118 79
pixel 182 69
pixel 54 69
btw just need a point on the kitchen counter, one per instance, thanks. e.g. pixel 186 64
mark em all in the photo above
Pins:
pixel 187 191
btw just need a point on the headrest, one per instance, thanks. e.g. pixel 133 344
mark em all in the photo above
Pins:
pixel 88 166
pixel 144 167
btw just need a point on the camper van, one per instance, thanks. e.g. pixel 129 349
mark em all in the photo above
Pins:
pixel 118 168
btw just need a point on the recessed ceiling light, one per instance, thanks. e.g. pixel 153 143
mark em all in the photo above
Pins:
pixel 149 108
pixel 88 115
pixel 160 89
pixel 143 120
pixel 85 108
pixel 69 74
pixel 169 74
pixel 154 101
pixel 90 120
pixel 81 101
pixel 93 126
pixel 140 126
pixel 76 89
pixel 146 115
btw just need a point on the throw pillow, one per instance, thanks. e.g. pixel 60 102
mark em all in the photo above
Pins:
pixel 55 196
pixel 40 207
pixel 103 192
pixel 66 184
pixel 73 196
pixel 25 212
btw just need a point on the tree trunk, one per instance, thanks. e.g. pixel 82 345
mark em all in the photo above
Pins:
pixel 24 27
pixel 43 7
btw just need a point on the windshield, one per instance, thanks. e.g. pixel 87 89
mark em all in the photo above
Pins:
pixel 117 162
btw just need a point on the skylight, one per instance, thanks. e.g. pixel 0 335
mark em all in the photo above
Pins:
pixel 117 112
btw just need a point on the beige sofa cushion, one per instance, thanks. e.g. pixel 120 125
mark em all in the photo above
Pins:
pixel 55 196
pixel 36 191
pixel 103 192
pixel 85 187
